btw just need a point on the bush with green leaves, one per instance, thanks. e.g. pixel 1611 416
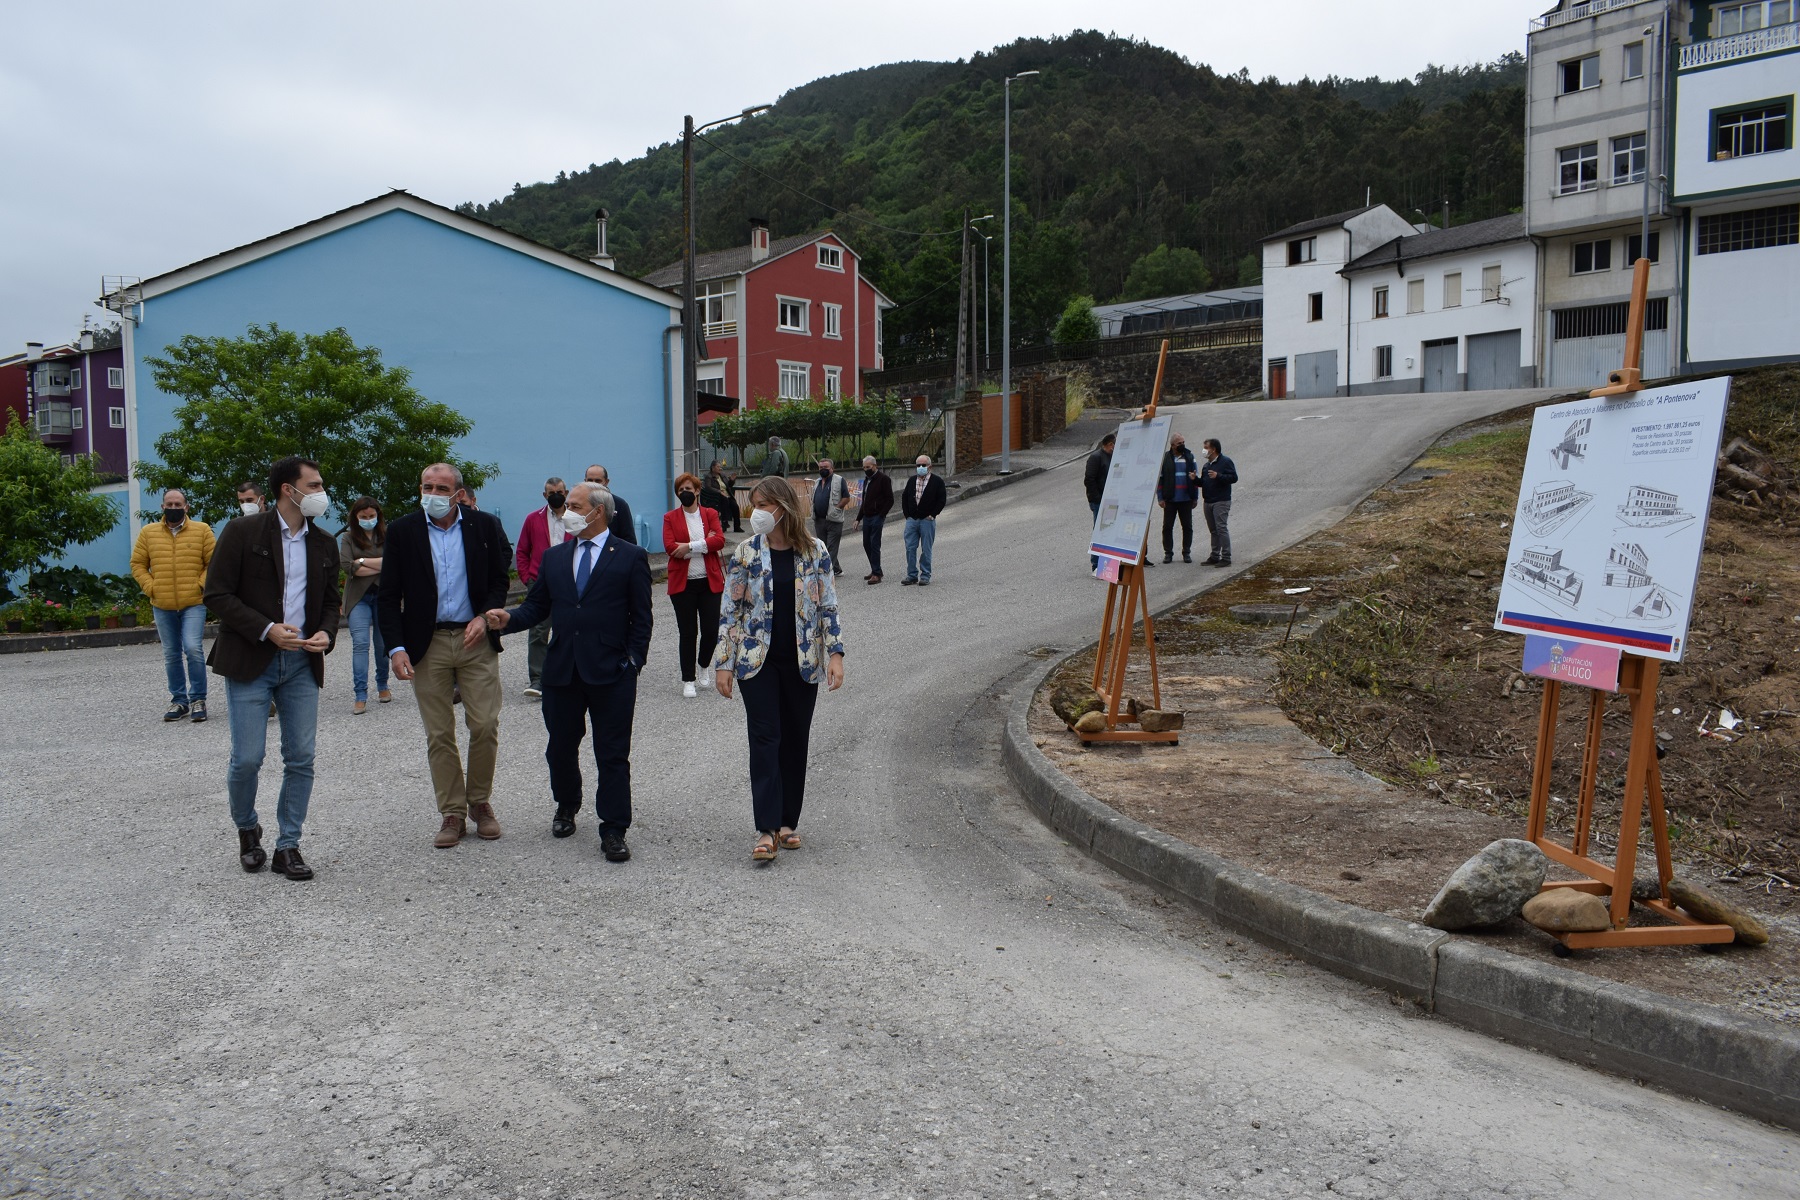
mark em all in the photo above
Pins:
pixel 1078 323
pixel 46 505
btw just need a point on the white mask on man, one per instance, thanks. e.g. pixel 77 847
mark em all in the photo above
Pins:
pixel 250 507
pixel 314 504
pixel 573 521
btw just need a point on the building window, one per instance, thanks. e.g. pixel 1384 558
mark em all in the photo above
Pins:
pixel 1745 18
pixel 1380 307
pixel 1578 168
pixel 1415 295
pixel 796 380
pixel 1315 307
pixel 716 302
pixel 115 378
pixel 1384 362
pixel 1490 283
pixel 75 377
pixel 834 383
pixel 74 418
pixel 1761 128
pixel 834 320
pixel 1591 257
pixel 1634 60
pixel 1579 74
pixel 1605 320
pixel 831 258
pixel 115 417
pixel 791 315
pixel 1453 289
pixel 1628 158
pixel 1302 250
pixel 1635 243
pixel 1752 229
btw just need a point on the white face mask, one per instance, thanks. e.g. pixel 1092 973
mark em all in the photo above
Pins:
pixel 436 507
pixel 573 521
pixel 250 507
pixel 314 504
pixel 762 522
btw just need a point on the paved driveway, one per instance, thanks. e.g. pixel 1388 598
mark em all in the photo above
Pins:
pixel 934 997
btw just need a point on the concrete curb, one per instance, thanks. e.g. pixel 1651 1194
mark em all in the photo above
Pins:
pixel 996 481
pixel 1736 1062
pixel 81 639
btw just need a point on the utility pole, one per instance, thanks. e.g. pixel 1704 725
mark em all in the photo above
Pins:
pixel 690 311
pixel 1006 293
pixel 962 315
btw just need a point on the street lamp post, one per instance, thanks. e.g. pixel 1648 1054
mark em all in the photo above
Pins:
pixel 690 311
pixel 1006 293
pixel 987 332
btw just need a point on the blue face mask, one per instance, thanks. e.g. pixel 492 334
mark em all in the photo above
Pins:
pixel 368 522
pixel 924 470
pixel 436 507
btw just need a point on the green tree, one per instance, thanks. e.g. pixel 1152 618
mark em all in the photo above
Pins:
pixel 249 401
pixel 46 505
pixel 1166 272
pixel 1249 270
pixel 1078 323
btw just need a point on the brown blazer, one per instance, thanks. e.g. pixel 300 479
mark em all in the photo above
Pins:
pixel 244 587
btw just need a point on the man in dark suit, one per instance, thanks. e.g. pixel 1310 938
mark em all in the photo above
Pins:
pixel 595 591
pixel 622 525
pixel 442 567
pixel 273 584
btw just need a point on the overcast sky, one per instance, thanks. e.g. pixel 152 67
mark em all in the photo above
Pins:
pixel 142 137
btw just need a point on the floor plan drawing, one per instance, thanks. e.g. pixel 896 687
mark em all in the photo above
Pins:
pixel 1541 569
pixel 1649 508
pixel 1553 504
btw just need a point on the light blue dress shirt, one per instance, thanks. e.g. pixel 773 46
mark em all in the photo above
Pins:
pixel 452 568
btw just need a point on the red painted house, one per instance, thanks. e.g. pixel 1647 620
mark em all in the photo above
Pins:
pixel 785 319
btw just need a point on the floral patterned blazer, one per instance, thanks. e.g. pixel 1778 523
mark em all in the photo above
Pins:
pixel 749 606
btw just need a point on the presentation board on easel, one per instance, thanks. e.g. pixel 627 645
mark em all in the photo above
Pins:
pixel 1130 494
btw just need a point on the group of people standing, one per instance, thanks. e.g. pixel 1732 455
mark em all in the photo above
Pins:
pixel 1182 482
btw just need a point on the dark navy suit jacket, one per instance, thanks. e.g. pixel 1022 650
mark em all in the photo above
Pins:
pixel 601 634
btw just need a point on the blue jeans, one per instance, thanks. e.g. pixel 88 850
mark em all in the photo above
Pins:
pixel 919 533
pixel 182 631
pixel 288 683
pixel 365 627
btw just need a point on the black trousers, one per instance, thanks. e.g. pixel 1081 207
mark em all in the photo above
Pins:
pixel 778 708
pixel 1186 513
pixel 567 711
pixel 871 531
pixel 831 533
pixel 697 617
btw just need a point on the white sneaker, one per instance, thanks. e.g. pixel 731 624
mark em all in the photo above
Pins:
pixel 687 689
pixel 533 692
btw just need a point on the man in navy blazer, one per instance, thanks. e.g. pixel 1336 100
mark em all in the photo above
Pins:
pixel 594 589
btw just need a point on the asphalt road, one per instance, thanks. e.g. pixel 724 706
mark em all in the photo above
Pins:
pixel 934 997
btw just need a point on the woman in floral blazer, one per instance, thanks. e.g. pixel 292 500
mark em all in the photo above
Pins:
pixel 779 636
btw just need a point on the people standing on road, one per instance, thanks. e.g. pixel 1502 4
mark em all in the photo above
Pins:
pixel 1094 480
pixel 543 528
pixel 1176 490
pixel 443 567
pixel 719 492
pixel 780 639
pixel 921 500
pixel 871 515
pixel 273 584
pixel 1217 474
pixel 169 562
pixel 594 590
pixel 775 461
pixel 622 526
pixel 359 554
pixel 693 538
pixel 830 497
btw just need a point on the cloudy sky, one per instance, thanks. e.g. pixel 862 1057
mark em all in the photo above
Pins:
pixel 141 137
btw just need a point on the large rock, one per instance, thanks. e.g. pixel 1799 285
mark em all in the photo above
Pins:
pixel 1153 720
pixel 1071 702
pixel 1490 887
pixel 1091 722
pixel 1716 911
pixel 1565 910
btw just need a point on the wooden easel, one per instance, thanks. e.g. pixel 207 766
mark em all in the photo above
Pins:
pixel 1643 776
pixel 1125 599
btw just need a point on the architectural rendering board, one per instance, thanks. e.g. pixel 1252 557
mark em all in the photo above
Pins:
pixel 1131 489
pixel 1614 494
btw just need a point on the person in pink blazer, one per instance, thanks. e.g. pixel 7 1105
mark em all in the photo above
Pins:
pixel 693 538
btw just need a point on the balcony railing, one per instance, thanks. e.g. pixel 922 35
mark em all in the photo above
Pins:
pixel 1741 45
pixel 714 329
pixel 1575 12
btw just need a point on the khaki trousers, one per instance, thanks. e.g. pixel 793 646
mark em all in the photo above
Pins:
pixel 476 671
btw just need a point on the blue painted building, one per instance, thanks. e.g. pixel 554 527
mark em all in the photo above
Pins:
pixel 559 362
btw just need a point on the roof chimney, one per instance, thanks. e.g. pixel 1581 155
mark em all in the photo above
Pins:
pixel 759 239
pixel 34 351
pixel 602 259
pixel 87 341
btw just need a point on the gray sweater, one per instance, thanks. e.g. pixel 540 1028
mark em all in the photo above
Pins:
pixel 355 585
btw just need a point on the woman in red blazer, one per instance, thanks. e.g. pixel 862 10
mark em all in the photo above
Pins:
pixel 693 538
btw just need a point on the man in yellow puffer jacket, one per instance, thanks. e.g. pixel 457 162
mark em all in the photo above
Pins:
pixel 169 562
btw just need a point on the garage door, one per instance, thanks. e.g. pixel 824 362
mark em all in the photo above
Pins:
pixel 1440 366
pixel 1315 375
pixel 1494 360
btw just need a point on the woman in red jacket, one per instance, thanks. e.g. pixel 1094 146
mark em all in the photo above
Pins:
pixel 693 538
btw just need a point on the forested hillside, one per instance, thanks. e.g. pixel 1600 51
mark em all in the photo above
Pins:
pixel 1119 147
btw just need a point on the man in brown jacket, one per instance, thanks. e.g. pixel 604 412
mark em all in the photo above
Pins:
pixel 274 586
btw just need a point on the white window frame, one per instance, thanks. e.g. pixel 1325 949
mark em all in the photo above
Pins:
pixel 115 378
pixel 1490 292
pixel 1575 267
pixel 1632 147
pixel 115 416
pixel 1378 304
pixel 74 378
pixel 832 320
pixel 75 417
pixel 1626 70
pixel 1729 19
pixel 805 307
pixel 784 370
pixel 1452 289
pixel 1384 358
pixel 1415 295
pixel 1655 246
pixel 831 258
pixel 834 383
pixel 1315 307
pixel 1302 250
pixel 1585 159
pixel 1583 81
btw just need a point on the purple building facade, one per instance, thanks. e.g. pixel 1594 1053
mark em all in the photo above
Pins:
pixel 75 398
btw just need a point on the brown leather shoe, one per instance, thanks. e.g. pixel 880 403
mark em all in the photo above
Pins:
pixel 450 832
pixel 487 825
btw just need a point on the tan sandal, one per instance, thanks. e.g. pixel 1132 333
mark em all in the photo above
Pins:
pixel 789 840
pixel 764 850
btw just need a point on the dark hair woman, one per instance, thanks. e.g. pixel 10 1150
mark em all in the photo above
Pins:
pixel 719 491
pixel 693 538
pixel 780 638
pixel 359 553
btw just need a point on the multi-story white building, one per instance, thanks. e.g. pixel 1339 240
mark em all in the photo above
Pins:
pixel 1737 178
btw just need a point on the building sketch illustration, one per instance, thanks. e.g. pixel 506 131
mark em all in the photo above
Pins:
pixel 1541 569
pixel 1655 607
pixel 1553 504
pixel 1648 508
pixel 1627 566
pixel 1573 446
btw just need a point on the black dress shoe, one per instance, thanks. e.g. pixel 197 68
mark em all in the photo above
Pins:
pixel 612 844
pixel 562 826
pixel 250 851
pixel 1167 557
pixel 289 863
